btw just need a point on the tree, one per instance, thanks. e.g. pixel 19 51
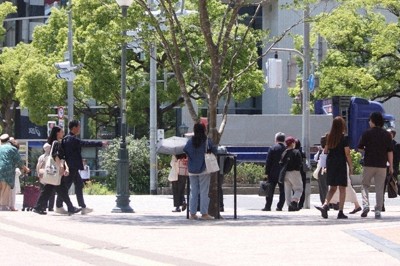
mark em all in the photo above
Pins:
pixel 363 49
pixel 219 65
pixel 8 76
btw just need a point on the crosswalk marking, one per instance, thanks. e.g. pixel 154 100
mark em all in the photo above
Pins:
pixel 79 246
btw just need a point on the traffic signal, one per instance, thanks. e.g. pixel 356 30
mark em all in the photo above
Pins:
pixel 274 73
pixel 67 70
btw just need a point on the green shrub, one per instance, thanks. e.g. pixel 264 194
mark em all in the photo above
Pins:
pixel 93 188
pixel 139 164
pixel 356 159
pixel 247 173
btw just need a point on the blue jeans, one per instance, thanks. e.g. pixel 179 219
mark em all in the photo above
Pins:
pixel 199 185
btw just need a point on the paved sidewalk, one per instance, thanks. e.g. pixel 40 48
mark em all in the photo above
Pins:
pixel 154 235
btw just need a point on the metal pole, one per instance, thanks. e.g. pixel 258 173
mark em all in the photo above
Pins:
pixel 305 101
pixel 153 117
pixel 70 84
pixel 123 156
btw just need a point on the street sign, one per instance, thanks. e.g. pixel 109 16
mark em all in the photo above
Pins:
pixel 60 112
pixel 311 83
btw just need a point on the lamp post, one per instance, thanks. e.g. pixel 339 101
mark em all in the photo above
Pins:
pixel 123 157
pixel 183 129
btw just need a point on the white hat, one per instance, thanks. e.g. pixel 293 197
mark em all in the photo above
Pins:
pixel 4 137
pixel 47 147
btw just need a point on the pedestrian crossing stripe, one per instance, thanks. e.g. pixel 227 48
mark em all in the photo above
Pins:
pixel 79 246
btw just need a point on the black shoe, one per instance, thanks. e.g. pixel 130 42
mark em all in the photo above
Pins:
pixel 38 211
pixel 184 206
pixel 365 212
pixel 74 210
pixel 278 209
pixel 266 209
pixel 383 208
pixel 293 206
pixel 177 209
pixel 355 210
pixel 221 209
pixel 50 209
pixel 324 210
pixel 341 215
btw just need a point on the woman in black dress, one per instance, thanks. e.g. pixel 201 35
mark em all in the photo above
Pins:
pixel 337 148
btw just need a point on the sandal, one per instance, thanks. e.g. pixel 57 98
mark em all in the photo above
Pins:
pixel 355 210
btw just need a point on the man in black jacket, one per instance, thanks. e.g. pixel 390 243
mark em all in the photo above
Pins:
pixel 72 147
pixel 272 169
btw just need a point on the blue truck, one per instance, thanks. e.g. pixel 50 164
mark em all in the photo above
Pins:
pixel 355 111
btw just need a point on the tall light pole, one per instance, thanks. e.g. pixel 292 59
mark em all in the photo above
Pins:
pixel 123 157
pixel 153 115
pixel 305 129
pixel 70 83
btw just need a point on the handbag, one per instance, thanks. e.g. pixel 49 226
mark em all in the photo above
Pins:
pixel 282 174
pixel 51 173
pixel 183 167
pixel 305 166
pixel 392 187
pixel 211 161
pixel 262 190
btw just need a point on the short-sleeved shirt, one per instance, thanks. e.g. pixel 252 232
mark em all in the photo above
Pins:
pixel 376 142
pixel 9 160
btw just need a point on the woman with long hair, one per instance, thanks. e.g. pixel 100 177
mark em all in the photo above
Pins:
pixel 55 137
pixel 338 154
pixel 199 178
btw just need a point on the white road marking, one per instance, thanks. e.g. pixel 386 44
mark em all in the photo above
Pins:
pixel 79 246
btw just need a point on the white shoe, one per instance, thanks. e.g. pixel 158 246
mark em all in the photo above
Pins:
pixel 86 210
pixel 61 210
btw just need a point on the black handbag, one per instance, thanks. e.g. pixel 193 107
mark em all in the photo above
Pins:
pixel 284 160
pixel 282 174
pixel 262 190
pixel 392 187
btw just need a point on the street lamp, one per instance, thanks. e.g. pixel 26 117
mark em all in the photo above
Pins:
pixel 183 129
pixel 123 157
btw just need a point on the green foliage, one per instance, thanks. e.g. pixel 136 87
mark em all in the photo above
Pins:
pixel 362 57
pixel 247 173
pixel 356 159
pixel 94 188
pixel 6 8
pixel 139 164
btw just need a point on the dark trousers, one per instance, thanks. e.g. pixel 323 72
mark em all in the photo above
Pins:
pixel 75 178
pixel 303 195
pixel 271 185
pixel 48 190
pixel 178 190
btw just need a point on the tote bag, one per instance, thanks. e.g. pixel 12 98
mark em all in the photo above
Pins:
pixel 211 161
pixel 51 173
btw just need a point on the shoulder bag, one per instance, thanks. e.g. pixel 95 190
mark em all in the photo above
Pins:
pixel 211 161
pixel 51 173
pixel 282 173
pixel 392 187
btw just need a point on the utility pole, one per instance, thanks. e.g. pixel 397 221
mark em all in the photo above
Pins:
pixel 305 129
pixel 70 83
pixel 153 116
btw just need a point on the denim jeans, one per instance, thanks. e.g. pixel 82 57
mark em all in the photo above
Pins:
pixel 199 185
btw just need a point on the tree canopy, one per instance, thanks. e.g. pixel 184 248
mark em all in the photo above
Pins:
pixel 363 55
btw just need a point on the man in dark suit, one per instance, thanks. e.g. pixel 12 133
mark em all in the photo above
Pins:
pixel 72 147
pixel 272 169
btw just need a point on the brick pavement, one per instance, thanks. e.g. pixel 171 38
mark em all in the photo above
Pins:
pixel 153 235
